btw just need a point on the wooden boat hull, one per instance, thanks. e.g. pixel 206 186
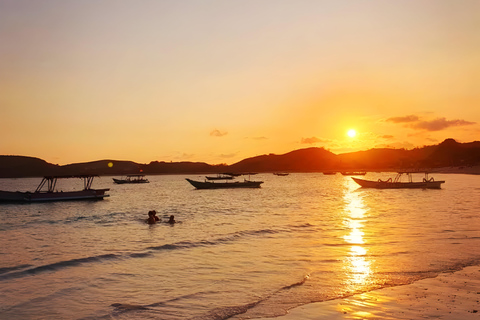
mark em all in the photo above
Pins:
pixel 122 181
pixel 353 173
pixel 224 185
pixel 91 194
pixel 398 185
pixel 220 178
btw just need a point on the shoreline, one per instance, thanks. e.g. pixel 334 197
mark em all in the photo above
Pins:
pixel 448 296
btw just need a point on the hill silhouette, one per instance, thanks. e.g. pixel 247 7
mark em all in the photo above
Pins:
pixel 305 160
pixel 449 153
pixel 21 166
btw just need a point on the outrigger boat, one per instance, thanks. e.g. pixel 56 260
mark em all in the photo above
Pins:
pixel 396 183
pixel 49 194
pixel 132 178
pixel 224 185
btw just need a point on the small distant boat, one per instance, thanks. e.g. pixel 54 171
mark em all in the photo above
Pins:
pixel 281 174
pixel 132 178
pixel 224 185
pixel 233 174
pixel 223 176
pixel 396 183
pixel 329 173
pixel 362 173
pixel 49 194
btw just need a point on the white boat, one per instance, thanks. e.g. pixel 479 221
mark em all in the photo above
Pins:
pixel 46 191
pixel 396 183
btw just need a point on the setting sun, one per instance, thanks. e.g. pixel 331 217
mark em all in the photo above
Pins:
pixel 351 133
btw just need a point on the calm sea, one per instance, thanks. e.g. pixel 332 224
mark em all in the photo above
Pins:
pixel 235 253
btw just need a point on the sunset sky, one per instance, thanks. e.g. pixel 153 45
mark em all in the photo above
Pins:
pixel 219 81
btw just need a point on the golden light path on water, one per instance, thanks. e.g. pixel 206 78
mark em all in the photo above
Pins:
pixel 357 264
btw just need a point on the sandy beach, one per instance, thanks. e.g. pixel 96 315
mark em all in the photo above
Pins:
pixel 449 296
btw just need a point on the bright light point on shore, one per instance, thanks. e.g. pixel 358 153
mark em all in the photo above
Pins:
pixel 351 133
pixel 110 164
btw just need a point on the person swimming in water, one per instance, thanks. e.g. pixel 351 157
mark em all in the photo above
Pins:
pixel 152 217
pixel 172 219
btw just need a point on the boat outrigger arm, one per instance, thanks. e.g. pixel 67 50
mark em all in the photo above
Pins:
pixel 51 182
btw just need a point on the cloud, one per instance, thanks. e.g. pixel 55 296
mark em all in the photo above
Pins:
pixel 187 156
pixel 414 122
pixel 218 133
pixel 257 138
pixel 440 124
pixel 387 136
pixel 312 140
pixel 410 118
pixel 227 156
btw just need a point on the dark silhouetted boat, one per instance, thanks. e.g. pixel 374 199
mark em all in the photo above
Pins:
pixel 224 185
pixel 329 173
pixel 362 173
pixel 281 174
pixel 132 178
pixel 396 183
pixel 46 191
pixel 223 176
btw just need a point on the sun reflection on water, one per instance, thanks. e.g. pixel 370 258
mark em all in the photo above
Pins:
pixel 357 263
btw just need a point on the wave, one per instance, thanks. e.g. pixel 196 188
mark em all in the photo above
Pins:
pixel 15 272
pixel 38 219
pixel 223 313
pixel 10 269
pixel 219 313
pixel 58 266
pixel 221 240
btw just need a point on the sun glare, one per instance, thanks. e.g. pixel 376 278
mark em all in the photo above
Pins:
pixel 351 133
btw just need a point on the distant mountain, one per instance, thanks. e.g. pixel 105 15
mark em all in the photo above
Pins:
pixel 446 154
pixel 102 167
pixel 20 166
pixel 156 167
pixel 452 153
pixel 303 160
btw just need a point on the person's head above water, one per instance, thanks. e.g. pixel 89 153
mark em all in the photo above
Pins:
pixel 151 217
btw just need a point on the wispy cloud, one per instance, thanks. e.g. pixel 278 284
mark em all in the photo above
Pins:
pixel 387 136
pixel 312 140
pixel 410 118
pixel 227 156
pixel 218 133
pixel 257 138
pixel 440 124
pixel 415 122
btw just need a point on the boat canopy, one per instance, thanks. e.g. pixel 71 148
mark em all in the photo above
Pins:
pixel 51 182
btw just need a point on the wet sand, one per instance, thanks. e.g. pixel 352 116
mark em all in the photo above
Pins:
pixel 449 296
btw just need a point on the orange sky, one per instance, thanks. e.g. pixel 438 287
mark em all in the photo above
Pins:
pixel 219 81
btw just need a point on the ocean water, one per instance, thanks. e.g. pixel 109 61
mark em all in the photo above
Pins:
pixel 235 254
